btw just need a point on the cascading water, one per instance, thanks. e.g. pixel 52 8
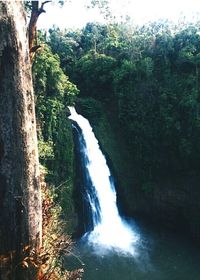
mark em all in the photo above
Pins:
pixel 106 228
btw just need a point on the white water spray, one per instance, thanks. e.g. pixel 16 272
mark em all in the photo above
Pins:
pixel 110 230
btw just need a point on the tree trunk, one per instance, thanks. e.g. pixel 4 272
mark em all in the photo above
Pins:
pixel 20 195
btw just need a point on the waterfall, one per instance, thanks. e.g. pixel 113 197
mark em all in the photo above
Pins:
pixel 107 229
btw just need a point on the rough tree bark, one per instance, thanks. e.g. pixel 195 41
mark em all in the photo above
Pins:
pixel 20 195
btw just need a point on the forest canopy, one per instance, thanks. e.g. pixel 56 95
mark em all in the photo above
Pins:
pixel 148 77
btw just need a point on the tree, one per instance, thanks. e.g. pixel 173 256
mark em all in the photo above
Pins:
pixel 36 11
pixel 20 197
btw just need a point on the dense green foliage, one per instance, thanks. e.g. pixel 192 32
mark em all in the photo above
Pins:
pixel 54 92
pixel 148 77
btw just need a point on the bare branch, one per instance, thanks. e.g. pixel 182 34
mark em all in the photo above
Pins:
pixel 36 11
pixel 41 9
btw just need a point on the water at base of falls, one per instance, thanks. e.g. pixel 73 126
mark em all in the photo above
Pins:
pixel 161 255
pixel 109 230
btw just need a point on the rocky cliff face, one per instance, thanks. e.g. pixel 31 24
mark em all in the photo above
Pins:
pixel 20 197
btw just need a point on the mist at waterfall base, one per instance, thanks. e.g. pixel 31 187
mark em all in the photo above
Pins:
pixel 111 248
